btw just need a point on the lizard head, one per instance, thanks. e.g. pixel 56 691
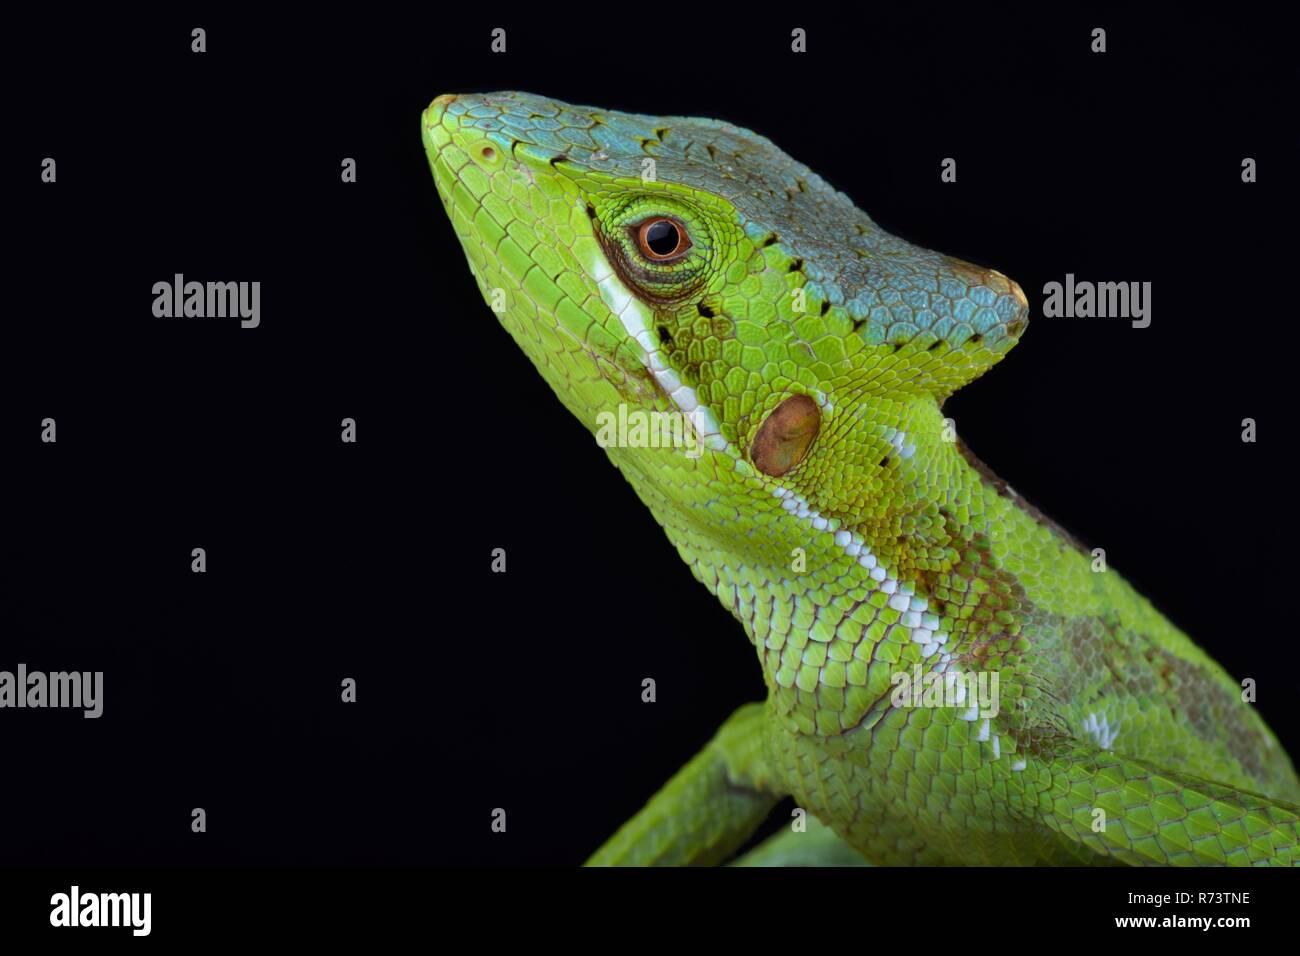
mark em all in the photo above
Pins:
pixel 667 265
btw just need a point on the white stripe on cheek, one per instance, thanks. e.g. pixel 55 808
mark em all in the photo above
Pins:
pixel 635 318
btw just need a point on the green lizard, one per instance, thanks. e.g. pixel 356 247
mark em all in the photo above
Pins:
pixel 950 678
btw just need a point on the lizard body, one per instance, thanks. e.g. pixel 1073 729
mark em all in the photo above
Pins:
pixel 688 267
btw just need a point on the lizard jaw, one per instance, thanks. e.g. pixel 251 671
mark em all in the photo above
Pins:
pixel 637 321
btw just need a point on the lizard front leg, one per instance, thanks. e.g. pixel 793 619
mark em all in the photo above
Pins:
pixel 709 808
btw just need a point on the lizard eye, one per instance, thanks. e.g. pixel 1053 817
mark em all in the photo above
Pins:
pixel 660 239
pixel 662 248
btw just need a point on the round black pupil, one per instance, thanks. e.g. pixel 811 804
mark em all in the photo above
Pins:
pixel 661 237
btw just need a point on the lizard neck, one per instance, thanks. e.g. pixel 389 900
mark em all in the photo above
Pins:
pixel 834 607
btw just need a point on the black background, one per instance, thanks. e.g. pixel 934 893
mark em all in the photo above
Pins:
pixel 371 560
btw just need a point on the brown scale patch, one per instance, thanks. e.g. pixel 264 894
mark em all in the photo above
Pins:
pixel 1067 654
pixel 1213 711
pixel 952 583
pixel 935 550
pixel 1035 722
pixel 1141 668
pixel 986 641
